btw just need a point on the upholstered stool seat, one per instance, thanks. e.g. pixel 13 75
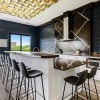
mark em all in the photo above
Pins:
pixel 71 79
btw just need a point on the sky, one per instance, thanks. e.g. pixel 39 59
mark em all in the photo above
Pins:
pixel 25 39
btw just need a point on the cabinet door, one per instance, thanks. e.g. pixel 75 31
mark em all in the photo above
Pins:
pixel 59 29
pixel 81 30
pixel 95 36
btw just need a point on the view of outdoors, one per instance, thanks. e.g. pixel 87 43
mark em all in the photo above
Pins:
pixel 20 43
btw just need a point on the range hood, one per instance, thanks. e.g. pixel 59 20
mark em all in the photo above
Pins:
pixel 66 30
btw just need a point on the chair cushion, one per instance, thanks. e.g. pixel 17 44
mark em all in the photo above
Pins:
pixel 71 79
pixel 34 73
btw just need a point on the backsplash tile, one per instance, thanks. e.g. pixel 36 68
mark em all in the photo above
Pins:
pixel 47 38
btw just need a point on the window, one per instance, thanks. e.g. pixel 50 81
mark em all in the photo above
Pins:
pixel 19 42
pixel 25 43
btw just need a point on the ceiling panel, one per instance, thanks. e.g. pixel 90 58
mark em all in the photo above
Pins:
pixel 55 9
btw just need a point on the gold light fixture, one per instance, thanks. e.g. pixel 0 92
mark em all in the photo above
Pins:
pixel 24 8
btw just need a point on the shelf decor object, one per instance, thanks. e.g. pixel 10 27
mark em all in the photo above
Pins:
pixel 24 8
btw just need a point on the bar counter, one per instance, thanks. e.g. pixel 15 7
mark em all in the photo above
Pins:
pixel 53 78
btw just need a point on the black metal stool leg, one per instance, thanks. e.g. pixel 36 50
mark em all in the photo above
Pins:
pixel 25 84
pixel 7 80
pixel 32 89
pixel 42 87
pixel 0 72
pixel 96 88
pixel 20 87
pixel 4 73
pixel 72 92
pixel 28 88
pixel 5 70
pixel 82 88
pixel 89 89
pixel 76 91
pixel 64 90
pixel 86 91
pixel 13 74
pixel 35 87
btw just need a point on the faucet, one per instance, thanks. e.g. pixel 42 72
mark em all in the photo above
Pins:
pixel 35 49
pixel 59 51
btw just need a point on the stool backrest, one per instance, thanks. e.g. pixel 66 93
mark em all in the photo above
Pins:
pixel 3 58
pixel 15 66
pixel 7 60
pixel 23 69
pixel 9 63
pixel 82 78
pixel 92 73
pixel 0 58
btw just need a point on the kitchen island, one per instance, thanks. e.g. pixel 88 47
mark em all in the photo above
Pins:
pixel 53 78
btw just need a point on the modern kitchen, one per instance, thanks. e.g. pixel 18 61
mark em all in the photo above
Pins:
pixel 49 50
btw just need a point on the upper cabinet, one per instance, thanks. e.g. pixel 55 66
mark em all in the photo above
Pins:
pixel 59 27
pixel 74 28
pixel 80 27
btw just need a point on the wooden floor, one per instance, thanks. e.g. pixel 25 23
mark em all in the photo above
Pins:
pixel 4 95
pixel 82 95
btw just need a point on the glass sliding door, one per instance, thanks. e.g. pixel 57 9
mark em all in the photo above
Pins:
pixel 25 43
pixel 15 42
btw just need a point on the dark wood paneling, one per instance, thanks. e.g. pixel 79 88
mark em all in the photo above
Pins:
pixel 84 34
pixel 95 43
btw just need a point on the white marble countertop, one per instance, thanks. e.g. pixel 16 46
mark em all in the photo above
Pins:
pixel 22 53
pixel 87 56
pixel 34 54
pixel 39 54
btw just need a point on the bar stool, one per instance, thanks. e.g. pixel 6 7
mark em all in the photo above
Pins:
pixel 3 67
pixel 9 71
pixel 91 75
pixel 75 81
pixel 15 71
pixel 29 75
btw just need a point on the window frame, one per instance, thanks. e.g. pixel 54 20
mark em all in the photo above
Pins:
pixel 20 40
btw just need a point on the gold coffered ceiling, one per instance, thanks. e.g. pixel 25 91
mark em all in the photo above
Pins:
pixel 24 8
